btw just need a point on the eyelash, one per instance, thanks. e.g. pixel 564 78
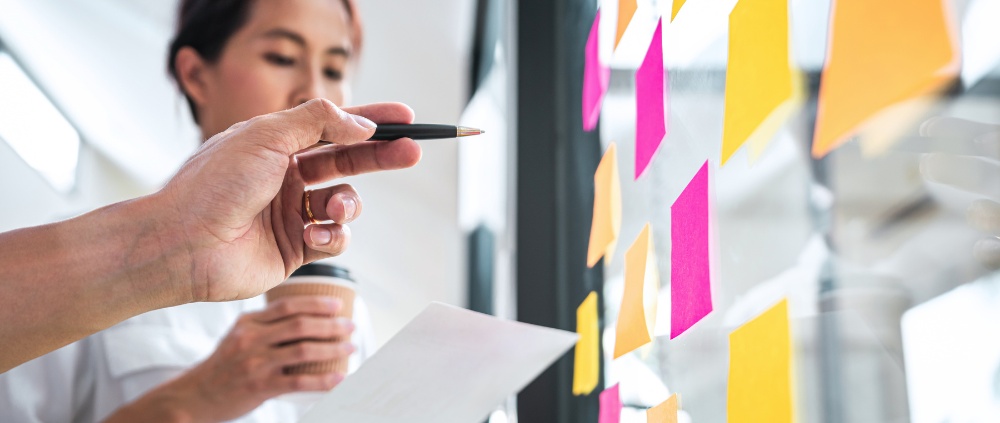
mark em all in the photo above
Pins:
pixel 285 61
pixel 279 60
pixel 333 74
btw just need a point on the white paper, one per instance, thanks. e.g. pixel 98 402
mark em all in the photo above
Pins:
pixel 448 365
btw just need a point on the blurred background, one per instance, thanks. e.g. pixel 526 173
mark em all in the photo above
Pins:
pixel 893 318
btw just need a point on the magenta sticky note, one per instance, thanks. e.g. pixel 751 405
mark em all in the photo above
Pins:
pixel 611 406
pixel 650 99
pixel 596 77
pixel 690 273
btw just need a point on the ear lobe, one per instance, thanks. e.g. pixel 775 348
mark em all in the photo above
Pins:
pixel 190 70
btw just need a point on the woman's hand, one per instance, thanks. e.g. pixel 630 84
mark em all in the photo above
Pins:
pixel 246 368
pixel 239 200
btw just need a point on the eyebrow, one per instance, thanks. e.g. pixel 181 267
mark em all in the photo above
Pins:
pixel 298 39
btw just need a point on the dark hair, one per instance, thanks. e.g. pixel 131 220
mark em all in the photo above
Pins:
pixel 207 25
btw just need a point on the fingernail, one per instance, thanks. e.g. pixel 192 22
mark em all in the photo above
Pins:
pixel 364 122
pixel 321 236
pixel 350 206
pixel 332 303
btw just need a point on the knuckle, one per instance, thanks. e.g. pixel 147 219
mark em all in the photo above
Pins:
pixel 283 307
pixel 298 382
pixel 299 326
pixel 301 351
pixel 257 386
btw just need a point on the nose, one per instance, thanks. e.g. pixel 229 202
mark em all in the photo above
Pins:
pixel 311 87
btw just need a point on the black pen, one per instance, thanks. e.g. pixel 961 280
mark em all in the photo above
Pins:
pixel 420 131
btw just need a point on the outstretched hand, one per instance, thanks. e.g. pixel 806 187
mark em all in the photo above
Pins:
pixel 239 200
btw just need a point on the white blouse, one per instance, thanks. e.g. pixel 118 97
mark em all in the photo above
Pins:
pixel 88 380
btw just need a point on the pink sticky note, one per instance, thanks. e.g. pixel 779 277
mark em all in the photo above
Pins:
pixel 690 274
pixel 611 406
pixel 596 77
pixel 650 99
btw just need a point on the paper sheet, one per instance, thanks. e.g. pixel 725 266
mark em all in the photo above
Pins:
pixel 690 271
pixel 676 7
pixel 596 77
pixel 626 10
pixel 586 360
pixel 448 365
pixel 760 374
pixel 611 406
pixel 607 219
pixel 637 313
pixel 650 98
pixel 881 53
pixel 666 412
pixel 762 88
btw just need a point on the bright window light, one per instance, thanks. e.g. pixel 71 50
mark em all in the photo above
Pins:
pixel 35 129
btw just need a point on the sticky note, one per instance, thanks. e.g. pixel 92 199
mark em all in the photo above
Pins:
pixel 626 10
pixel 665 412
pixel 586 358
pixel 642 284
pixel 690 270
pixel 596 77
pixel 880 53
pixel 611 406
pixel 676 8
pixel 762 88
pixel 650 98
pixel 760 369
pixel 607 220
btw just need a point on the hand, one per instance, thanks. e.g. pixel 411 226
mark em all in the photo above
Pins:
pixel 239 201
pixel 978 174
pixel 246 368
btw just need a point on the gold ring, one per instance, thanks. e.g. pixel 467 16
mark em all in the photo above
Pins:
pixel 308 209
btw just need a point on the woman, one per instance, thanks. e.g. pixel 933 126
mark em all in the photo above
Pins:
pixel 235 59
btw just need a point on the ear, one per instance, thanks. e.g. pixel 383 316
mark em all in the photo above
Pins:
pixel 190 69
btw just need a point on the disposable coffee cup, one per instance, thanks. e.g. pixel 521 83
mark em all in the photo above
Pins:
pixel 319 280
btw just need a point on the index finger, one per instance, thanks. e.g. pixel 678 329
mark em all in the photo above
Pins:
pixel 314 120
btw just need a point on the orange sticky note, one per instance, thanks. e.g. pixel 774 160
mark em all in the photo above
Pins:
pixel 760 369
pixel 666 412
pixel 881 53
pixel 607 220
pixel 762 88
pixel 626 10
pixel 676 8
pixel 586 357
pixel 642 285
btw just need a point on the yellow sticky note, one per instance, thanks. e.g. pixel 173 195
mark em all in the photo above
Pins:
pixel 666 412
pixel 760 369
pixel 586 358
pixel 762 88
pixel 642 284
pixel 607 220
pixel 881 53
pixel 626 10
pixel 676 8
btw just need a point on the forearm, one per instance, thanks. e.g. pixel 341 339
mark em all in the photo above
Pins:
pixel 64 281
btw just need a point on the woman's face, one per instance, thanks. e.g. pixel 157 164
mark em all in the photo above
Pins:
pixel 288 52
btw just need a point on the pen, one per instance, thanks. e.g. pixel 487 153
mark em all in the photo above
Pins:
pixel 420 131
